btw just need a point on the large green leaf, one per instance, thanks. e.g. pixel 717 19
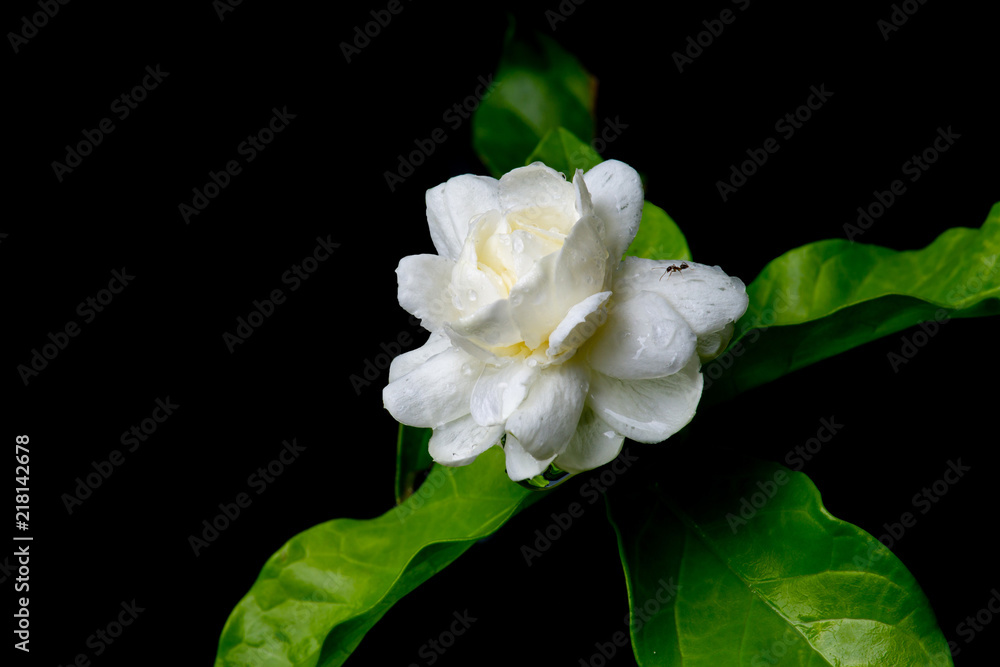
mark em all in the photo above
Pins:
pixel 540 87
pixel 743 566
pixel 827 297
pixel 322 591
pixel 564 152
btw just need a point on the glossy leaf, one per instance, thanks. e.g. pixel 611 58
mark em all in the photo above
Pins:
pixel 564 152
pixel 743 566
pixel 659 237
pixel 827 297
pixel 539 87
pixel 412 458
pixel 323 590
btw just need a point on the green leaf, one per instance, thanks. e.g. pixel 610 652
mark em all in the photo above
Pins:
pixel 412 458
pixel 562 151
pixel 322 591
pixel 827 297
pixel 539 87
pixel 744 566
pixel 659 237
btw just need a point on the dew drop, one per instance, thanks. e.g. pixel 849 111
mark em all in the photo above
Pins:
pixel 471 294
pixel 466 369
pixel 518 244
pixel 532 363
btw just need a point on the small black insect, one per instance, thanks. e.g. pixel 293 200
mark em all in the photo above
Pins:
pixel 673 268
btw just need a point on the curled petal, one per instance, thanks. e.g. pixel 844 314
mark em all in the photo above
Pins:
pixel 593 444
pixel 556 283
pixel 647 410
pixel 459 442
pixel 490 327
pixel 452 205
pixel 616 193
pixel 424 289
pixel 643 338
pixel 409 361
pixel 580 323
pixel 538 197
pixel 705 296
pixel 521 464
pixel 499 391
pixel 544 423
pixel 434 393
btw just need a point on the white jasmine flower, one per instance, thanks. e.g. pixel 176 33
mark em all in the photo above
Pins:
pixel 540 333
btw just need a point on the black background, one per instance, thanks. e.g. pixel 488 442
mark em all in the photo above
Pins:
pixel 323 176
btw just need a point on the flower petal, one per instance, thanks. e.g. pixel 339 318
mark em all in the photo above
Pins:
pixel 705 296
pixel 541 299
pixel 520 464
pixel 616 193
pixel 580 323
pixel 544 423
pixel 538 197
pixel 409 361
pixel 643 338
pixel 490 327
pixel 647 410
pixel 459 442
pixel 500 390
pixel 452 205
pixel 424 289
pixel 593 444
pixel 434 393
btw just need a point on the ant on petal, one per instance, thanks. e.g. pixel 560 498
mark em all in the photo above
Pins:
pixel 673 268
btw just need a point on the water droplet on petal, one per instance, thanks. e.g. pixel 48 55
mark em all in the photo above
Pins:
pixel 532 363
pixel 518 244
pixel 471 294
pixel 466 369
pixel 609 434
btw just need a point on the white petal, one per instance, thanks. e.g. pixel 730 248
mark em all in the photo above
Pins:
pixel 593 444
pixel 539 198
pixel 452 205
pixel 647 410
pixel 490 327
pixel 543 298
pixel 616 192
pixel 520 464
pixel 580 323
pixel 424 289
pixel 474 279
pixel 434 393
pixel 409 361
pixel 547 419
pixel 705 296
pixel 584 205
pixel 500 390
pixel 712 345
pixel 643 338
pixel 459 442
